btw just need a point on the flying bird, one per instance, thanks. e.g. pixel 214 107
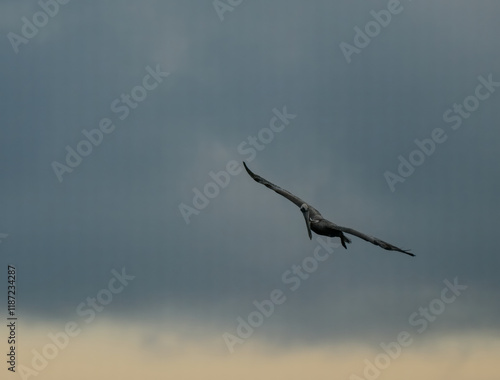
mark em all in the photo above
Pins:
pixel 316 223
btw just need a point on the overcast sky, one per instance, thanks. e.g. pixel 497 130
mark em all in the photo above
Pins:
pixel 117 115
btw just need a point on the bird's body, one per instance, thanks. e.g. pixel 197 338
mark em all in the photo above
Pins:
pixel 316 223
pixel 326 228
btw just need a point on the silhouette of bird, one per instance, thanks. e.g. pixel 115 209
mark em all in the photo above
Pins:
pixel 316 223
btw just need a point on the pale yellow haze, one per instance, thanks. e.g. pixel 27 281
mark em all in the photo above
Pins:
pixel 129 352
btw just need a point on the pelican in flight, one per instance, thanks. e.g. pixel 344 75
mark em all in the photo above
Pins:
pixel 315 221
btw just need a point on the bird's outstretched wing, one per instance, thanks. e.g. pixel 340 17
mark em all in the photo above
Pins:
pixel 373 240
pixel 299 202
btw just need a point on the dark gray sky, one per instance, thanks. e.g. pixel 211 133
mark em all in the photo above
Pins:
pixel 120 206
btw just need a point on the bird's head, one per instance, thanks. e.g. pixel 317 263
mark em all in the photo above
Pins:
pixel 305 211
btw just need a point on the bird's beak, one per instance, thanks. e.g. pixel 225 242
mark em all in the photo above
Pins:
pixel 308 223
